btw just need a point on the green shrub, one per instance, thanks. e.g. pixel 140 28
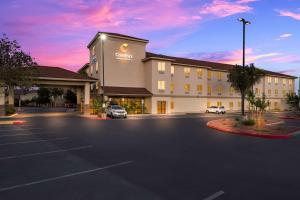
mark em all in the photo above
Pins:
pixel 237 119
pixel 248 122
pixel 10 111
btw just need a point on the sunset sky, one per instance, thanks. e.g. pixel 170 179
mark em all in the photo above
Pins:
pixel 56 32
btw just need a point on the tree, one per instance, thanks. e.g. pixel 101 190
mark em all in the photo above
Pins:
pixel 43 96
pixel 243 79
pixel 293 100
pixel 16 67
pixel 56 92
pixel 261 104
pixel 70 97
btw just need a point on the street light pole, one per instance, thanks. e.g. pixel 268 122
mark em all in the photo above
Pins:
pixel 245 22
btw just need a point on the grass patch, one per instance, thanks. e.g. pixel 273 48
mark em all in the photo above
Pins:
pixel 248 122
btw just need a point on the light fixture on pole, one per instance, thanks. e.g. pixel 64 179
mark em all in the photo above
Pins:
pixel 245 22
pixel 102 38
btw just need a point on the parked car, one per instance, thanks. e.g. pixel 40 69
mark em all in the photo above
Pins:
pixel 116 111
pixel 216 109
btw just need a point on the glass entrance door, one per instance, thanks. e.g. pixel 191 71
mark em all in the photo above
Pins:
pixel 161 107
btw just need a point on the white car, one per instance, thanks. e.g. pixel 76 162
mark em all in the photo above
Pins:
pixel 216 109
pixel 116 111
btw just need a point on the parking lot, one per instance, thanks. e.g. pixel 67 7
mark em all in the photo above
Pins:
pixel 68 157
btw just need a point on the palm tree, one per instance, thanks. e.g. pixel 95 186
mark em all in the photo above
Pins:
pixel 243 79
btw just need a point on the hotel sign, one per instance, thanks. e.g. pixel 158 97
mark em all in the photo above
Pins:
pixel 123 54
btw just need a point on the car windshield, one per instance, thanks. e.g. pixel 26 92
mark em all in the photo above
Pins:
pixel 116 107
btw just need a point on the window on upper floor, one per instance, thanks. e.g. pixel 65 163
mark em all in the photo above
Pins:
pixel 161 67
pixel 172 70
pixel 199 88
pixel 187 71
pixel 91 69
pixel 219 76
pixel 276 91
pixel 93 50
pixel 269 79
pixel 97 67
pixel 276 80
pixel 172 86
pixel 231 90
pixel 284 81
pixel 161 85
pixel 220 89
pixel 187 88
pixel 209 75
pixel 199 73
pixel 284 92
pixel 208 90
pixel 269 91
pixel 290 82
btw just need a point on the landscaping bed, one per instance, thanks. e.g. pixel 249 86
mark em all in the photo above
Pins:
pixel 291 115
pixel 274 128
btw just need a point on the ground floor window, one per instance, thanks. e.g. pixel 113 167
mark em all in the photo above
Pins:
pixel 219 103
pixel 231 105
pixel 133 105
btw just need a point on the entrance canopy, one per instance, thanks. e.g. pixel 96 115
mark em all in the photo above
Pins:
pixel 126 91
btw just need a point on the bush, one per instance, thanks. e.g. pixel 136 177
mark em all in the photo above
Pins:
pixel 248 122
pixel 10 111
pixel 237 119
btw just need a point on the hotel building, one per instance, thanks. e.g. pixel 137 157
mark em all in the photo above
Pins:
pixel 164 84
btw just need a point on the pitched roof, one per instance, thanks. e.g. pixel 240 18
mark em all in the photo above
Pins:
pixel 117 35
pixel 59 73
pixel 126 91
pixel 212 65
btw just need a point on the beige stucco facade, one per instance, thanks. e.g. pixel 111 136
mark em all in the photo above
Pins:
pixel 181 87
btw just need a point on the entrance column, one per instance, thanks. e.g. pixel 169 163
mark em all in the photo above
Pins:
pixel 2 101
pixel 86 98
pixel 11 96
pixel 79 99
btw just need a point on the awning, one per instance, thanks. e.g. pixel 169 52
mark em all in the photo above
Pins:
pixel 126 91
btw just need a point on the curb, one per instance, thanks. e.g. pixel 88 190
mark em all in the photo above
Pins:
pixel 12 122
pixel 285 117
pixel 248 133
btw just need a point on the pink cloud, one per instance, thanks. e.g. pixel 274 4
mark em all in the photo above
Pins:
pixel 287 13
pixel 224 8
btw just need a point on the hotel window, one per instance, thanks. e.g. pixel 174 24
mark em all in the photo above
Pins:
pixel 172 105
pixel 93 50
pixel 208 104
pixel 161 67
pixel 219 89
pixel 284 92
pixel 92 69
pixel 187 88
pixel 257 91
pixel 231 90
pixel 290 82
pixel 199 88
pixel 219 103
pixel 231 105
pixel 172 86
pixel 97 85
pixel 219 76
pixel 269 79
pixel 269 91
pixel 208 90
pixel 187 71
pixel 172 70
pixel 199 73
pixel 276 92
pixel 97 67
pixel 161 86
pixel 209 75
pixel 276 80
pixel 284 82
pixel 239 104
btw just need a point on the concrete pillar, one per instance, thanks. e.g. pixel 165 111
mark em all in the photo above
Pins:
pixel 87 89
pixel 79 92
pixel 2 101
pixel 11 96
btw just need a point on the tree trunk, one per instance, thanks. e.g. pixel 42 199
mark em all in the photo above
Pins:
pixel 243 102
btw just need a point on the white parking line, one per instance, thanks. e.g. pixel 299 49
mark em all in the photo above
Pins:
pixel 33 141
pixel 46 152
pixel 64 176
pixel 11 130
pixel 215 195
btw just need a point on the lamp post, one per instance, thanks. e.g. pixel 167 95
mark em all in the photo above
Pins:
pixel 102 38
pixel 245 22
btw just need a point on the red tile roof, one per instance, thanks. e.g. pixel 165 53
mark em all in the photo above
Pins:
pixel 59 73
pixel 213 65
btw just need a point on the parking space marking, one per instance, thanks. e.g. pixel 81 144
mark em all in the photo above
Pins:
pixel 215 195
pixel 64 176
pixel 46 152
pixel 33 141
pixel 11 130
